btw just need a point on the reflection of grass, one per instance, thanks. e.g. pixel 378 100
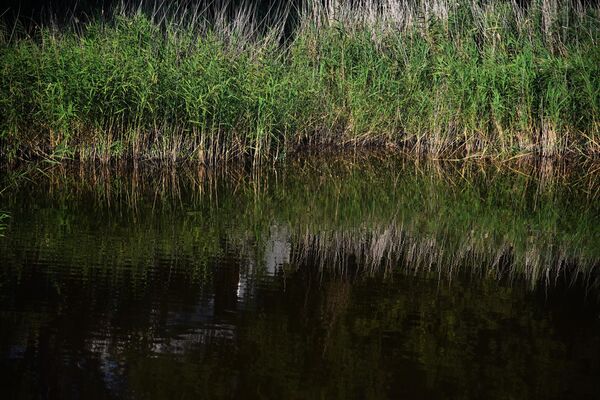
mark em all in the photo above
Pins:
pixel 430 76
pixel 501 223
pixel 379 213
pixel 3 219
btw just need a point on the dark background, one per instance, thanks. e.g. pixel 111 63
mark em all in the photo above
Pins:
pixel 31 12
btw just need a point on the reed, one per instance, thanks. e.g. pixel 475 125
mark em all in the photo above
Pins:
pixel 463 78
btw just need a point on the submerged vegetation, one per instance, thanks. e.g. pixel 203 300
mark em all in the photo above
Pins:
pixel 469 78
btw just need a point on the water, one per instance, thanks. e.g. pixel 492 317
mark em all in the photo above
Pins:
pixel 371 278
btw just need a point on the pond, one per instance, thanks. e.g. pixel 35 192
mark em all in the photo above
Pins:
pixel 345 277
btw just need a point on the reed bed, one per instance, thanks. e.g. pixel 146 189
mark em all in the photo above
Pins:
pixel 447 78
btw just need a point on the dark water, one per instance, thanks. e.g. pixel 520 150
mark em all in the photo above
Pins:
pixel 373 278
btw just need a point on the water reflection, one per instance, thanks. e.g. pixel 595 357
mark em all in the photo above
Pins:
pixel 335 279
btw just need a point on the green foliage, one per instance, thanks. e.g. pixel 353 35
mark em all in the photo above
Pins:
pixel 469 79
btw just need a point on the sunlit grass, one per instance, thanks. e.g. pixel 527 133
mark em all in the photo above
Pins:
pixel 428 76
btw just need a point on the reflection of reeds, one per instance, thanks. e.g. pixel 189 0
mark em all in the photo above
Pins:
pixel 3 219
pixel 430 76
pixel 374 249
pixel 525 219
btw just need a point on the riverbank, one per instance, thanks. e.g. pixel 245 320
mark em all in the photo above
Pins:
pixel 449 80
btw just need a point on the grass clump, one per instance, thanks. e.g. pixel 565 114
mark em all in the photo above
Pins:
pixel 430 76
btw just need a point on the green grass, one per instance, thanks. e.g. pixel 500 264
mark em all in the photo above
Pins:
pixel 431 77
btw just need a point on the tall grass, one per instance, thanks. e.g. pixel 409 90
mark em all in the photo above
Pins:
pixel 442 77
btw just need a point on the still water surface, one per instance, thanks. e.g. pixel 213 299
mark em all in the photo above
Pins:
pixel 375 278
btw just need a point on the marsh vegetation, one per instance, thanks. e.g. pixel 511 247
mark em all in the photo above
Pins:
pixel 215 83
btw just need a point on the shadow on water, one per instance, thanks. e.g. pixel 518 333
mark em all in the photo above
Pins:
pixel 345 278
